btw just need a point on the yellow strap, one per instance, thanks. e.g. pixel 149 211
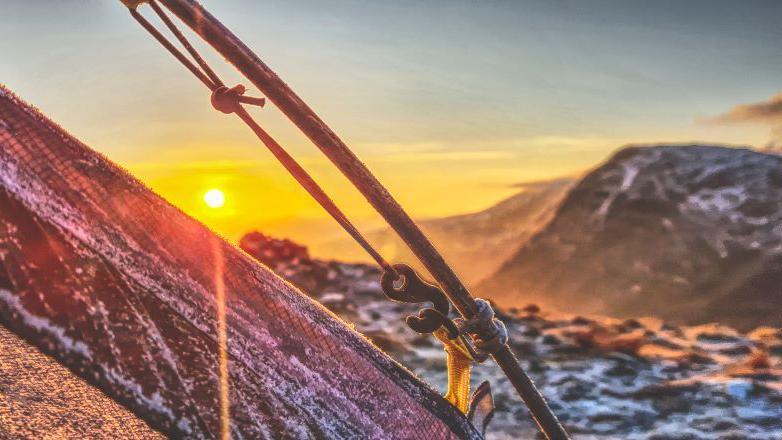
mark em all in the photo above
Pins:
pixel 459 365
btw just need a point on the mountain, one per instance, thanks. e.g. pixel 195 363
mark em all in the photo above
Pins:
pixel 605 378
pixel 475 244
pixel 691 234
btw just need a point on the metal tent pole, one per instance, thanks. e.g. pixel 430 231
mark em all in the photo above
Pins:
pixel 275 89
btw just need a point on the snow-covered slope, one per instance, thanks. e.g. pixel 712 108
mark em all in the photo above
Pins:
pixel 688 233
pixel 123 289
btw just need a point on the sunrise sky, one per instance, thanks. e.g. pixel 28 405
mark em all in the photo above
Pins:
pixel 451 103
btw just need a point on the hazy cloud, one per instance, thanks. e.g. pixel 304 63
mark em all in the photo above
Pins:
pixel 429 156
pixel 216 165
pixel 769 111
pixel 765 112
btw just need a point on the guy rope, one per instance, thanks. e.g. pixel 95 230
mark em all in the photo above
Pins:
pixel 474 336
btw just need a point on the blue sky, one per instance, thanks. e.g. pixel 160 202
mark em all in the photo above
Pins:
pixel 439 97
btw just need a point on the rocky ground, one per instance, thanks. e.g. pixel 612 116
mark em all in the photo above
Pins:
pixel 606 378
pixel 39 395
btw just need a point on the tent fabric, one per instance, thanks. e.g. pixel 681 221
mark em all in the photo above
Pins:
pixel 120 286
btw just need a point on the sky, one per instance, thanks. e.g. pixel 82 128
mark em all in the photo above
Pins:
pixel 452 104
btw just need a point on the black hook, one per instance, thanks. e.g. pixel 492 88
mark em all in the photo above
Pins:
pixel 413 289
pixel 428 320
pixel 408 287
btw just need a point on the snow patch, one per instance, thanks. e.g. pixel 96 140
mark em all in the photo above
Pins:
pixel 718 200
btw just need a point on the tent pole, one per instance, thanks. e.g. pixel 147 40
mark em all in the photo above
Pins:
pixel 277 91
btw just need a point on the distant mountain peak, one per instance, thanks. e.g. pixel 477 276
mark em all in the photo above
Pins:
pixel 680 231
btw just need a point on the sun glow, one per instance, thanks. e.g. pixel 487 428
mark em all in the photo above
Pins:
pixel 214 198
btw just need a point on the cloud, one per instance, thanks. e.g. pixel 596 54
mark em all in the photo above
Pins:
pixel 440 156
pixel 767 112
pixel 217 165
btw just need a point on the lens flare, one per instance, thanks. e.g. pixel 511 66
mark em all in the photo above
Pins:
pixel 222 341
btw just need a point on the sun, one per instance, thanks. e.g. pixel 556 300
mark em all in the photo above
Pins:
pixel 214 198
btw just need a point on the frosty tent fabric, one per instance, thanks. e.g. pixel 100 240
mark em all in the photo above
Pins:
pixel 119 286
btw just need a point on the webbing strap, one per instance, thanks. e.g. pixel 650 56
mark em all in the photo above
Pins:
pixel 230 101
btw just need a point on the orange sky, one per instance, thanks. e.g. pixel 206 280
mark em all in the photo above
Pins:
pixel 451 104
pixel 260 193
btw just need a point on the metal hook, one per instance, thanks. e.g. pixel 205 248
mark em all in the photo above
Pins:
pixel 414 290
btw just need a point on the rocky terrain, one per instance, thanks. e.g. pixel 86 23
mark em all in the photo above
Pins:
pixel 606 378
pixel 475 244
pixel 39 395
pixel 691 234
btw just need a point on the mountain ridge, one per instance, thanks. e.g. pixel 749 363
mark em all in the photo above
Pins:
pixel 696 226
pixel 474 244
